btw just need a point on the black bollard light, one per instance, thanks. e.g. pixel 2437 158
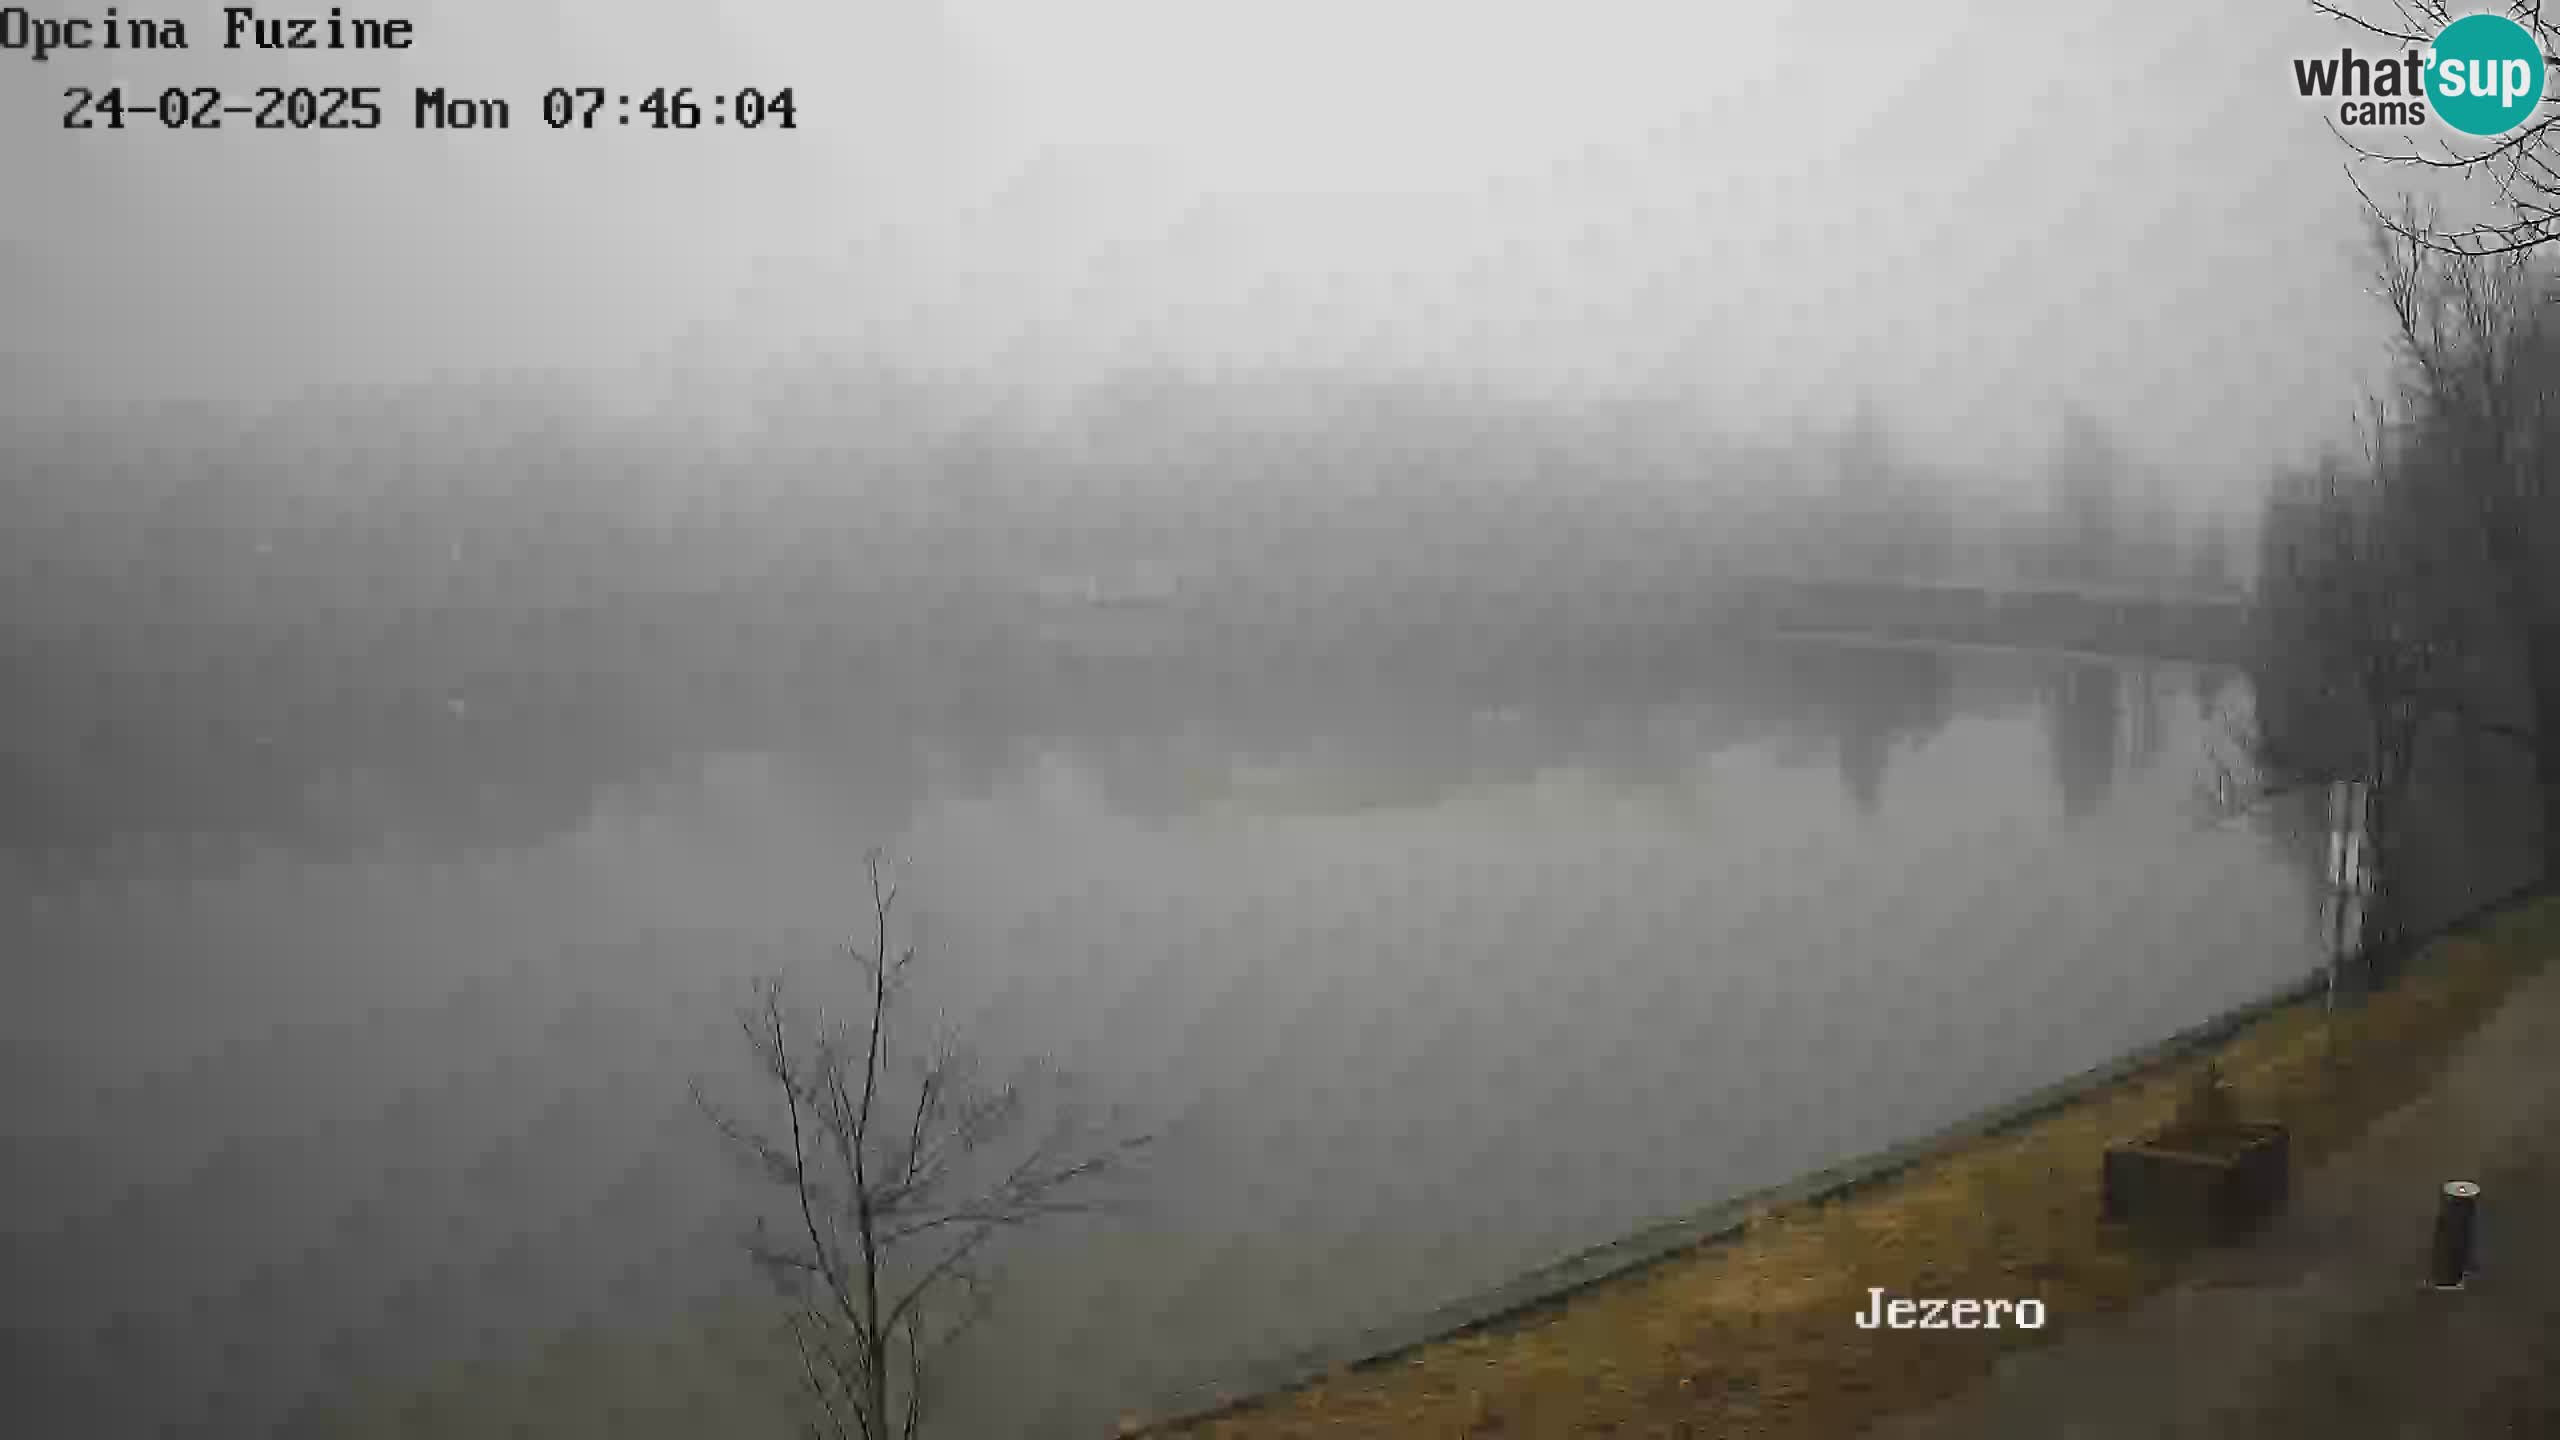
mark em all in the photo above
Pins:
pixel 2457 1226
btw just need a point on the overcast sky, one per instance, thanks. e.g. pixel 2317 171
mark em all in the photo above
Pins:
pixel 1979 211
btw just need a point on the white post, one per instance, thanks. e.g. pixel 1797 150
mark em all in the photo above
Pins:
pixel 2348 800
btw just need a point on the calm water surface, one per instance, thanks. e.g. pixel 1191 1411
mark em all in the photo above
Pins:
pixel 1419 989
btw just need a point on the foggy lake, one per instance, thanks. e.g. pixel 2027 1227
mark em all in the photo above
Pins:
pixel 1419 987
pixel 1300 531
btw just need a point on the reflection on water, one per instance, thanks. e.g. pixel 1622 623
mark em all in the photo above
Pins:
pixel 1424 980
pixel 2104 720
pixel 459 778
pixel 2083 718
pixel 1873 700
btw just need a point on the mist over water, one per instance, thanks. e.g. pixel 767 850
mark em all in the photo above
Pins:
pixel 1418 988
pixel 1248 510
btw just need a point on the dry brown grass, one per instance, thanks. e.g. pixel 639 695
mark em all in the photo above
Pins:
pixel 1754 1336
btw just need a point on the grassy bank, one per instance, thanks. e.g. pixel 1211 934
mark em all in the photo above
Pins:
pixel 1754 1336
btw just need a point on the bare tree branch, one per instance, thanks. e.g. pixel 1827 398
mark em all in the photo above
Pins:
pixel 2405 582
pixel 2517 165
pixel 922 1195
pixel 2409 36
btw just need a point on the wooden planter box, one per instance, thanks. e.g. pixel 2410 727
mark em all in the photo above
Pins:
pixel 2198 1184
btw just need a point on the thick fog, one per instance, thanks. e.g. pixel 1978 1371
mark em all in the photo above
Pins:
pixel 1981 212
pixel 1347 546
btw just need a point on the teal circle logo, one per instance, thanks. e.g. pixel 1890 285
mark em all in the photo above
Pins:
pixel 2485 74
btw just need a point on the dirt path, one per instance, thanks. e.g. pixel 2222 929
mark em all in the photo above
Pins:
pixel 2322 1326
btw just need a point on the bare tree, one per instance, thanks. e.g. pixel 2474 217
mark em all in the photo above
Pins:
pixel 2521 168
pixel 2480 437
pixel 2209 554
pixel 2089 470
pixel 897 1174
pixel 2394 593
pixel 2355 659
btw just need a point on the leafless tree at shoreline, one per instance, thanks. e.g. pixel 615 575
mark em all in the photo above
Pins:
pixel 2410 592
pixel 898 1173
pixel 2523 166
pixel 2482 363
